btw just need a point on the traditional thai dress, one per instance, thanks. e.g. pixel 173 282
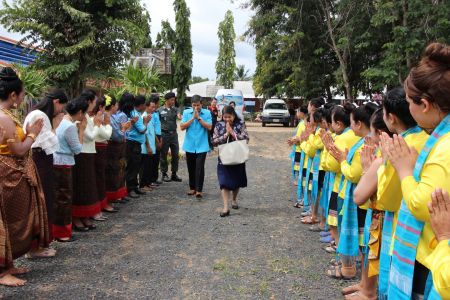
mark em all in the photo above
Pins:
pixel 63 162
pixel 116 161
pixel 23 214
pixel 85 195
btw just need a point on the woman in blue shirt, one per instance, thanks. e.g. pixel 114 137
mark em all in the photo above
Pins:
pixel 70 143
pixel 197 122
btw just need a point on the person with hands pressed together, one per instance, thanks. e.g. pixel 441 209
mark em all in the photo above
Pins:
pixel 231 178
pixel 427 92
pixel 438 262
pixel 24 217
pixel 295 143
pixel 148 149
pixel 85 202
pixel 198 123
pixel 135 139
pixel 70 137
pixel 345 139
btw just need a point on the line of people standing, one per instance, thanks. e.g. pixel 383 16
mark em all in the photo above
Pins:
pixel 372 182
pixel 70 162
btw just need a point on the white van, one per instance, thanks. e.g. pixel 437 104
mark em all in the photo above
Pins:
pixel 275 111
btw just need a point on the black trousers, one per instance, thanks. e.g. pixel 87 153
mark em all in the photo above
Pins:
pixel 169 141
pixel 134 159
pixel 196 169
pixel 154 167
pixel 148 166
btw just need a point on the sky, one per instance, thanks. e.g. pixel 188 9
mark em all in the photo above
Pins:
pixel 205 18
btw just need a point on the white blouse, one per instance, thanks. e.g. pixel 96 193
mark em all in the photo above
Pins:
pixel 46 139
pixel 93 134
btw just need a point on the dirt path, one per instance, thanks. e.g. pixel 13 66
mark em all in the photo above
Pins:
pixel 169 246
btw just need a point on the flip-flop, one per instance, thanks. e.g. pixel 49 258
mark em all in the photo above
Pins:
pixel 46 253
pixel 337 274
pixel 358 296
pixel 324 233
pixel 298 205
pixel 310 221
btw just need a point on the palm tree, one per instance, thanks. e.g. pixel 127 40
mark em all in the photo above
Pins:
pixel 241 74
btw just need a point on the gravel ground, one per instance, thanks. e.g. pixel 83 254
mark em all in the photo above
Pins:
pixel 169 246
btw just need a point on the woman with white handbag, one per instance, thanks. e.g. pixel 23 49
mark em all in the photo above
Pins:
pixel 231 137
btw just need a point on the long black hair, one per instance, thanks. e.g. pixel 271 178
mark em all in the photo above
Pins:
pixel 46 104
pixel 9 83
pixel 229 110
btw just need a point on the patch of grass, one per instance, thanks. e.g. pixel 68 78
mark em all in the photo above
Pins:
pixel 283 265
pixel 219 266
pixel 263 287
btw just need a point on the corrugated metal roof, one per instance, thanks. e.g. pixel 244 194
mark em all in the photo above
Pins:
pixel 11 51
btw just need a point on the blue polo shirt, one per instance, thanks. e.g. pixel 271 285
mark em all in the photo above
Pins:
pixel 156 122
pixel 196 139
pixel 134 133
pixel 150 134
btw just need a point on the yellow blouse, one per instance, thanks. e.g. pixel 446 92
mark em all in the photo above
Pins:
pixel 417 195
pixel 300 128
pixel 438 262
pixel 4 149
pixel 389 193
pixel 342 142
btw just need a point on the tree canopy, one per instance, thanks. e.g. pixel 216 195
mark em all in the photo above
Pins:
pixel 226 64
pixel 182 58
pixel 80 39
pixel 317 47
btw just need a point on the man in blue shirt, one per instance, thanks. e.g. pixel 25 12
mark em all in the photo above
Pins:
pixel 197 122
pixel 135 138
pixel 157 125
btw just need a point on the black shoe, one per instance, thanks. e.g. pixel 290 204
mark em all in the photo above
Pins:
pixel 132 195
pixel 176 178
pixel 72 239
pixel 235 206
pixel 224 214
pixel 79 229
pixel 139 192
pixel 158 182
pixel 154 185
pixel 166 178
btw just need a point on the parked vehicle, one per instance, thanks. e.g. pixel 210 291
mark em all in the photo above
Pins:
pixel 275 111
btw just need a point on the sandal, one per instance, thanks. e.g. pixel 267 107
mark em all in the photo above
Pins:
pixel 334 262
pixel 199 195
pixel 336 273
pixel 310 221
pixel 298 205
pixel 191 192
pixel 358 296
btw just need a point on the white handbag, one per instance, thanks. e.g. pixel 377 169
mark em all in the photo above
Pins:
pixel 234 153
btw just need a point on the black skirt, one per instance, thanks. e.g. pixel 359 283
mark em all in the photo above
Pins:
pixel 231 177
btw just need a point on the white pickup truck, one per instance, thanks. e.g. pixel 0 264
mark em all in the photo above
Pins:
pixel 275 111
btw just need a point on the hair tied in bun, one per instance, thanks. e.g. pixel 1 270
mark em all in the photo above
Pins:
pixel 8 74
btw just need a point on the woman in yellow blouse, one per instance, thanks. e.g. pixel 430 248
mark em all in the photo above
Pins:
pixel 427 88
pixel 345 139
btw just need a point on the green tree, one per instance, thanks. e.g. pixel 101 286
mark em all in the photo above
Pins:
pixel 226 64
pixel 242 74
pixel 409 25
pixel 81 39
pixel 182 58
